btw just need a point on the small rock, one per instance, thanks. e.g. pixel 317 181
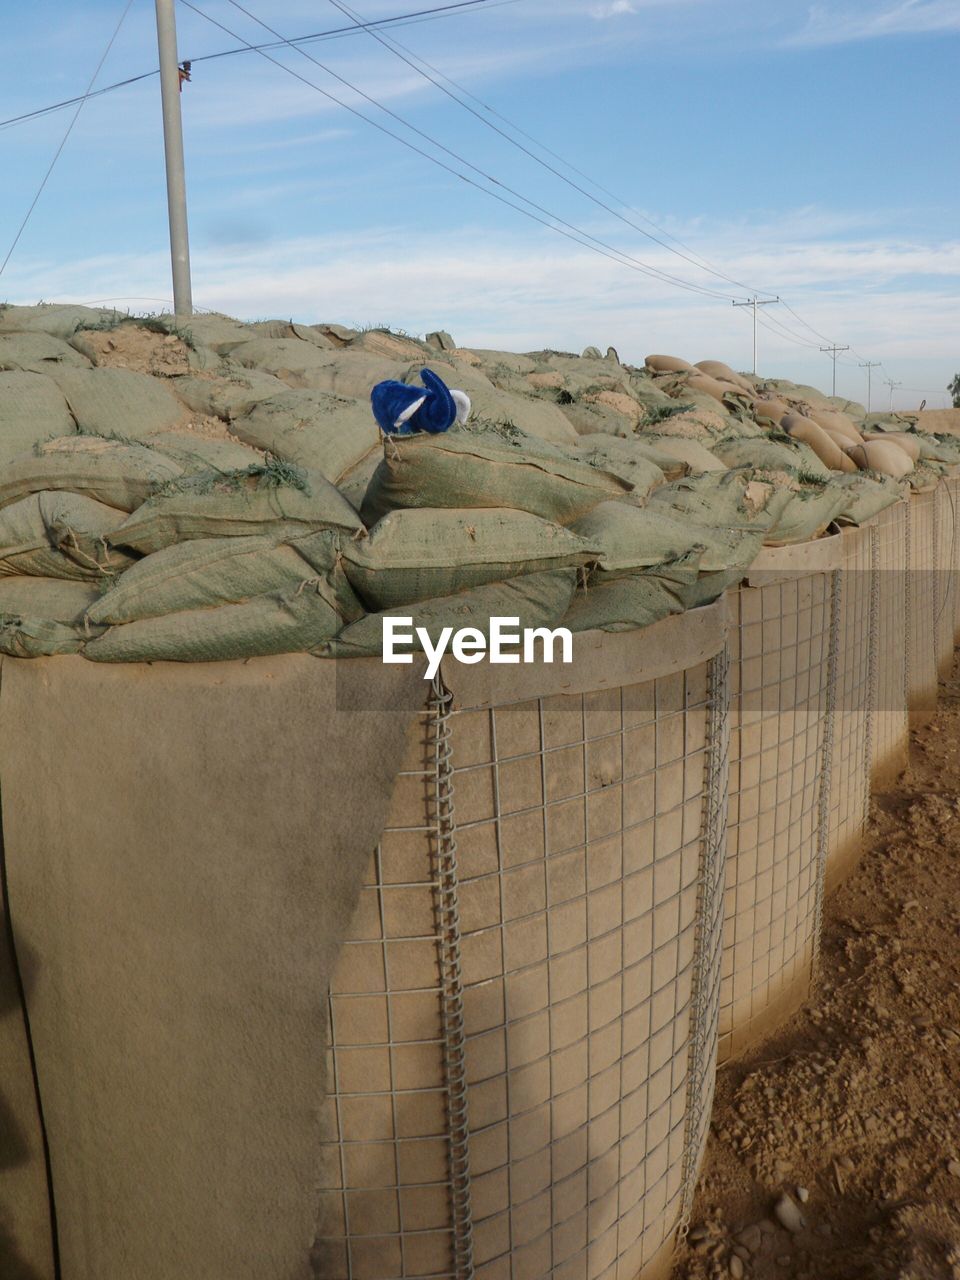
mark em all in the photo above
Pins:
pixel 750 1238
pixel 953 1166
pixel 767 1227
pixel 803 1195
pixel 742 1253
pixel 788 1215
pixel 735 1267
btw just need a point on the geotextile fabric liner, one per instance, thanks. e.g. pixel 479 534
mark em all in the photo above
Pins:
pixel 856 677
pixel 921 606
pixel 889 733
pixel 783 635
pixel 177 947
pixel 524 1015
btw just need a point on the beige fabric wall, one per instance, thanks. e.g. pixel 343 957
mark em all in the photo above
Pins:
pixel 855 684
pixel 780 634
pixel 26 1239
pixel 945 590
pixel 585 862
pixel 889 727
pixel 183 845
pixel 921 608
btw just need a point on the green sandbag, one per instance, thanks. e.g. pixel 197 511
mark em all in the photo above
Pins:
pixel 61 320
pixel 120 475
pixel 632 538
pixel 480 470
pixel 625 601
pixel 807 515
pixel 119 403
pixel 536 599
pixel 633 460
pixel 867 496
pixel 32 410
pixel 59 535
pixel 423 554
pixel 771 455
pixel 197 453
pixel 257 501
pixel 291 621
pixel 210 572
pixel 228 396
pixel 314 429
pixel 40 617
pixel 694 457
pixel 938 448
pixel 38 353
pixel 723 500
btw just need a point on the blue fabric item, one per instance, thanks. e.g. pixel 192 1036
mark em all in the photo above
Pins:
pixel 403 410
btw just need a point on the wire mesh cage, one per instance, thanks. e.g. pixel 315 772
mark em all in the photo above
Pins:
pixel 524 1019
pixel 855 689
pixel 783 639
pixel 921 606
pixel 889 728
pixel 945 591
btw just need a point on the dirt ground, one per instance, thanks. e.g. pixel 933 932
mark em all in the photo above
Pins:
pixel 835 1147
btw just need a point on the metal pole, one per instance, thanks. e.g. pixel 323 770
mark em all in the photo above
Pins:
pixel 834 351
pixel 756 302
pixel 173 155
pixel 869 365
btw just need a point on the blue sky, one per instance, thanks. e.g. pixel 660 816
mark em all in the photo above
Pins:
pixel 805 150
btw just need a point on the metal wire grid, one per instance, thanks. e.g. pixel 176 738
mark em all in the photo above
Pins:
pixel 849 791
pixel 779 677
pixel 944 582
pixel 580 828
pixel 952 487
pixel 889 726
pixel 922 605
pixel 705 1040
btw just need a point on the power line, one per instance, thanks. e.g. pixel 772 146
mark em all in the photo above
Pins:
pixel 401 20
pixel 63 141
pixel 572 232
pixel 417 64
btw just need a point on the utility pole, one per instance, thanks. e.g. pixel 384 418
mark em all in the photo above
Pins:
pixel 756 302
pixel 868 365
pixel 834 351
pixel 891 384
pixel 170 85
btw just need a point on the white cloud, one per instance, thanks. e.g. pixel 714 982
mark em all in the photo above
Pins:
pixel 891 300
pixel 826 25
pixel 613 9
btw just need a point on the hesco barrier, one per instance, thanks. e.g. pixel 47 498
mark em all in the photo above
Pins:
pixel 177 897
pixel 784 637
pixel 856 684
pixel 889 731
pixel 921 606
pixel 945 590
pixel 524 1018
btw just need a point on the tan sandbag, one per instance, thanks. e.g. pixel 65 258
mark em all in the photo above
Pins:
pixel 723 373
pixel 704 383
pixel 770 407
pixel 909 444
pixel 668 364
pixel 827 450
pixel 841 438
pixel 836 420
pixel 881 455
